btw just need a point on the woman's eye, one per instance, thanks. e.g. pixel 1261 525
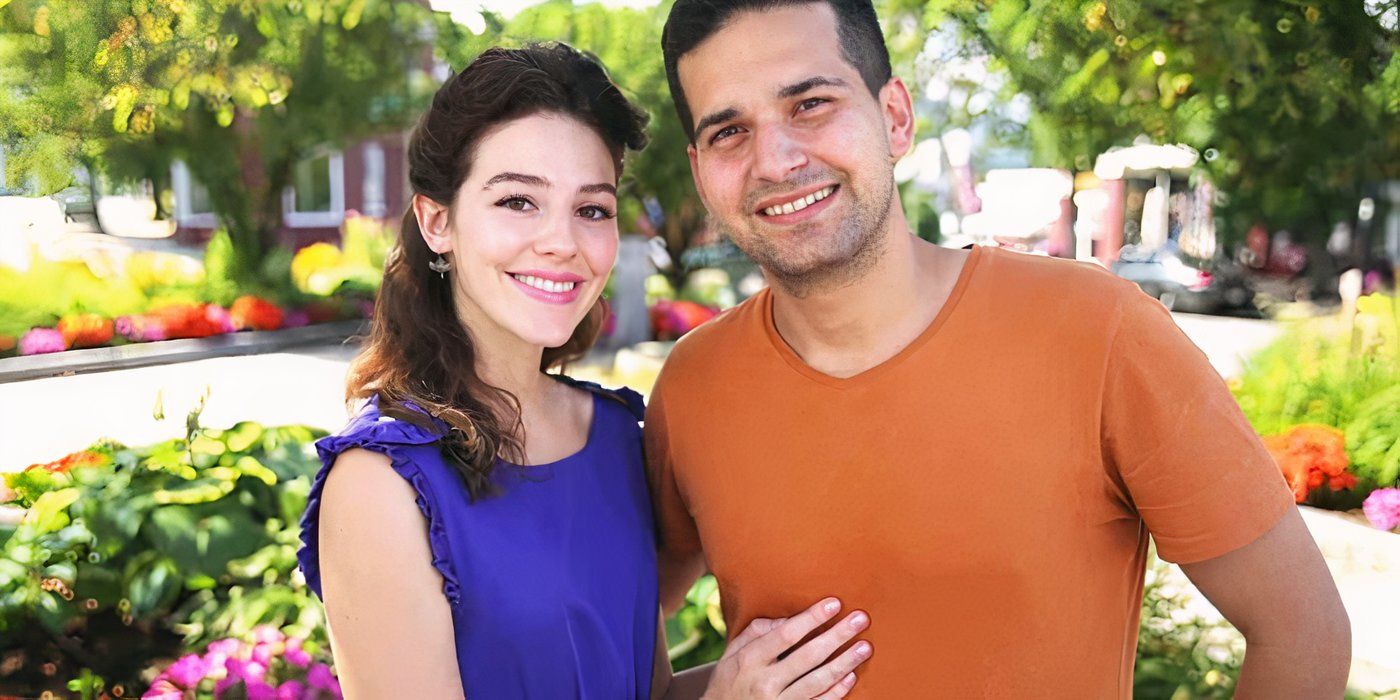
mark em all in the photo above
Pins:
pixel 515 204
pixel 595 213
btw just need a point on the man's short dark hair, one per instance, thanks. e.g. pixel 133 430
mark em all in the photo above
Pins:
pixel 693 21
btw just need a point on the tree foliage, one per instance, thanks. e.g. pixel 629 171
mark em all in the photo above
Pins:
pixel 1294 103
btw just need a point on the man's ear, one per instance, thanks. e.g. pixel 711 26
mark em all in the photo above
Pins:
pixel 898 110
pixel 695 174
pixel 433 218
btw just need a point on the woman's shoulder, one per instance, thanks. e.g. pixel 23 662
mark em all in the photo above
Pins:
pixel 624 396
pixel 371 428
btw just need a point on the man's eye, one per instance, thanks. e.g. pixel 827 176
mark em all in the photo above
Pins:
pixel 726 132
pixel 810 103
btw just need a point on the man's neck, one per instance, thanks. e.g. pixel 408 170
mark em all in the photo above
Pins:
pixel 846 330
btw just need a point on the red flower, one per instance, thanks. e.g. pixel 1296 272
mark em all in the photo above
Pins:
pixel 85 458
pixel 250 312
pixel 85 330
pixel 1310 456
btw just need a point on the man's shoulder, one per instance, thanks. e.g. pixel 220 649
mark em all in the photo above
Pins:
pixel 718 337
pixel 1037 282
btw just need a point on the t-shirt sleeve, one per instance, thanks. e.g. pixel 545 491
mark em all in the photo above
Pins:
pixel 1193 467
pixel 676 532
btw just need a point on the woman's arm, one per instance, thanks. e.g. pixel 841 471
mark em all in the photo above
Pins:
pixel 391 626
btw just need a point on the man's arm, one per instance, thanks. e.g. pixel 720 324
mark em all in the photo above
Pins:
pixel 1278 592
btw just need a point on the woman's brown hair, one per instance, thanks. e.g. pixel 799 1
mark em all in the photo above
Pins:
pixel 418 359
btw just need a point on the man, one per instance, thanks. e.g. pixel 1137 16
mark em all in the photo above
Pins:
pixel 972 446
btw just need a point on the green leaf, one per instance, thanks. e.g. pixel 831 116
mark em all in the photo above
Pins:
pixel 255 469
pixel 241 437
pixel 48 512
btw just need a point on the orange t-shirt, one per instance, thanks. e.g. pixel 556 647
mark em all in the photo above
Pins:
pixel 986 494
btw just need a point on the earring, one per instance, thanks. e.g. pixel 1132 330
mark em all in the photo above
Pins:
pixel 440 266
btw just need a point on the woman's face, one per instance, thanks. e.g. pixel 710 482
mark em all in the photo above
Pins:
pixel 533 231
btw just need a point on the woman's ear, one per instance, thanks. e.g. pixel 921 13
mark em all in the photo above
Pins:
pixel 433 218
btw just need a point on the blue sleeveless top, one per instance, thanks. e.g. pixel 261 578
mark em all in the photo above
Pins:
pixel 552 581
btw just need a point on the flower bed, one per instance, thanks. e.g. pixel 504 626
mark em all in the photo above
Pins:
pixel 55 306
pixel 1326 399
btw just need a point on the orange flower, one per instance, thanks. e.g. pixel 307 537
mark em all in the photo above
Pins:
pixel 7 342
pixel 85 458
pixel 1310 456
pixel 85 330
pixel 250 312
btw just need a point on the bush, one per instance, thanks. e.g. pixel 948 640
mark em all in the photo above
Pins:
pixel 127 555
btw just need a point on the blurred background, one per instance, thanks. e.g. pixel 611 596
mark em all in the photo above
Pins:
pixel 196 198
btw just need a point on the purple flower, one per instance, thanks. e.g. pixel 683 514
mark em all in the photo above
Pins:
pixel 188 671
pixel 1382 508
pixel 321 678
pixel 291 690
pixel 222 685
pixel 163 689
pixel 258 690
pixel 295 655
pixel 41 340
pixel 295 318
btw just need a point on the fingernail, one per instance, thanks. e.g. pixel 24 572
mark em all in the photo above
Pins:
pixel 859 619
pixel 863 649
pixel 831 606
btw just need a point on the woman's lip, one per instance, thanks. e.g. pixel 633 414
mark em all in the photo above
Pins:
pixel 548 275
pixel 549 297
pixel 800 215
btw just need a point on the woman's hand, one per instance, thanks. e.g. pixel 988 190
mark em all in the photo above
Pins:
pixel 751 667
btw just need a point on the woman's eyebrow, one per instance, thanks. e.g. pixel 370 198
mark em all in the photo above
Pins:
pixel 523 179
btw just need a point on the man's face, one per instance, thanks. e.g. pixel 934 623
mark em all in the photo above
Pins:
pixel 793 157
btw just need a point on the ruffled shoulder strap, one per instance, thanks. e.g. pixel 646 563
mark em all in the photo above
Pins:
pixel 630 399
pixel 395 439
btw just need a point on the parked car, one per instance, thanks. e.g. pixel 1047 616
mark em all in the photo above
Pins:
pixel 1162 273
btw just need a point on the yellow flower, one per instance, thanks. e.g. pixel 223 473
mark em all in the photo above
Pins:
pixel 317 257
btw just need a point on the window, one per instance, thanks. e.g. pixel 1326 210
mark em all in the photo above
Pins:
pixel 374 184
pixel 192 205
pixel 316 196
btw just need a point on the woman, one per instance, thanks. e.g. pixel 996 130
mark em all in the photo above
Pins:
pixel 480 526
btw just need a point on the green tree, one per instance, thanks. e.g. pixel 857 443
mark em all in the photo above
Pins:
pixel 1293 103
pixel 239 90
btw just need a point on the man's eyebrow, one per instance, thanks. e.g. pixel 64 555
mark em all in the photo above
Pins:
pixel 600 188
pixel 714 118
pixel 816 81
pixel 535 180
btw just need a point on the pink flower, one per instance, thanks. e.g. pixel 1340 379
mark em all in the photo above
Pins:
pixel 295 655
pixel 258 690
pixel 220 317
pixel 219 652
pixel 163 689
pixel 267 634
pixel 188 671
pixel 1382 508
pixel 41 340
pixel 291 690
pixel 321 678
pixel 248 671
